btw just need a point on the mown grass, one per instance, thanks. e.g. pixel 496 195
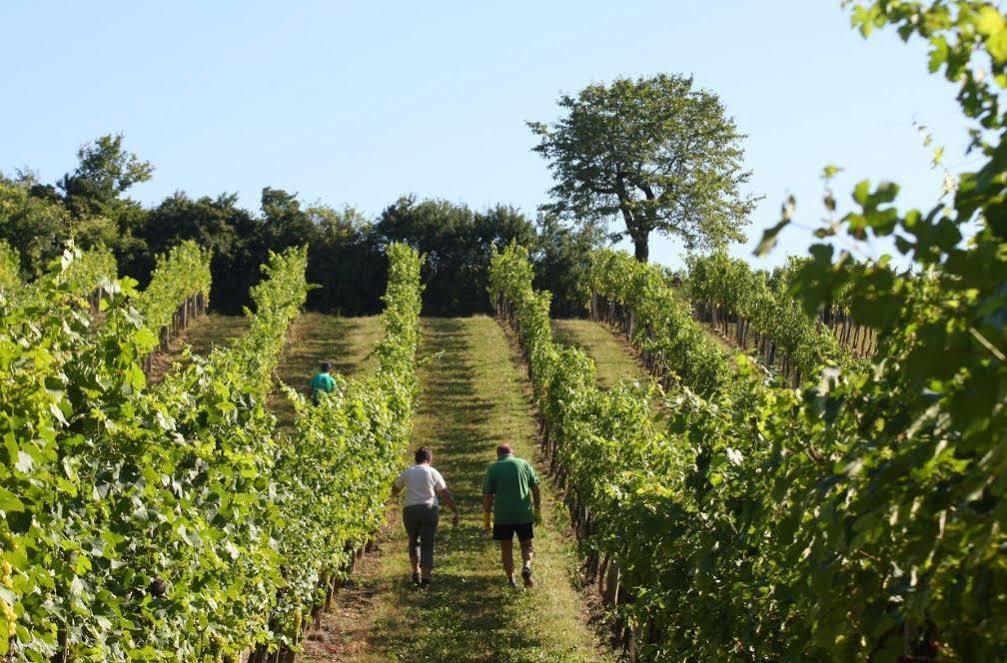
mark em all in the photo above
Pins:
pixel 611 352
pixel 474 396
pixel 613 356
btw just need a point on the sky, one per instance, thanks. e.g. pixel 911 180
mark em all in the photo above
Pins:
pixel 360 103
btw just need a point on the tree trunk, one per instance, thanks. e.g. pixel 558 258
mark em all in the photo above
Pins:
pixel 642 248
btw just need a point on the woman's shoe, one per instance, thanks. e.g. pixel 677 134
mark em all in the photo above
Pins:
pixel 416 578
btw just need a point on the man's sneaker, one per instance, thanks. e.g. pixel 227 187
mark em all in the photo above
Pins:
pixel 416 578
pixel 526 576
pixel 512 582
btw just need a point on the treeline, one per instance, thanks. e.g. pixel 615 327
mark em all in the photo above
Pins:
pixel 346 248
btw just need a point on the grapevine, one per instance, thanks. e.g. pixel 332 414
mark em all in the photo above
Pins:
pixel 179 281
pixel 726 529
pixel 335 474
pixel 177 521
pixel 10 268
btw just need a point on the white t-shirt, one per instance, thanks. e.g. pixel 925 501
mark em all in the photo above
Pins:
pixel 421 483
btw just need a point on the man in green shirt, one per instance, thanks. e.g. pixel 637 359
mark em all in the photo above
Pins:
pixel 322 382
pixel 510 492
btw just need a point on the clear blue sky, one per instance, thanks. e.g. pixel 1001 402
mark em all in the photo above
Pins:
pixel 361 102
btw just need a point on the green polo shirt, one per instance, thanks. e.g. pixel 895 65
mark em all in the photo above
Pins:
pixel 322 382
pixel 510 480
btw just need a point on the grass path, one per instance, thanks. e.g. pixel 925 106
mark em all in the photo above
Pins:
pixel 611 352
pixel 315 337
pixel 474 396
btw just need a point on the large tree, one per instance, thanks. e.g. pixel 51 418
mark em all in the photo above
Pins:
pixel 105 170
pixel 658 152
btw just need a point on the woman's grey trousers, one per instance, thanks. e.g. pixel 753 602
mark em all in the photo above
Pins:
pixel 421 526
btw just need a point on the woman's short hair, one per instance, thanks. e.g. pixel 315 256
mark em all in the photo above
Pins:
pixel 423 455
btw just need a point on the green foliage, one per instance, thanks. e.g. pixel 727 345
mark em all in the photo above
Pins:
pixel 83 271
pixel 862 516
pixel 562 256
pixel 457 243
pixel 105 170
pixel 77 274
pixel 656 151
pixel 919 482
pixel 334 477
pixel 35 227
pixel 183 272
pixel 662 325
pixel 757 501
pixel 346 249
pixel 10 270
pixel 88 208
pixel 732 289
pixel 619 471
pixel 233 234
pixel 177 522
pixel 137 521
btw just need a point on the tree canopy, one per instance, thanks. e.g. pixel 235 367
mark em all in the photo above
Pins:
pixel 658 152
pixel 457 243
pixel 105 170
pixel 346 248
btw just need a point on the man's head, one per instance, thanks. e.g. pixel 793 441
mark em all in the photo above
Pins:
pixel 504 450
pixel 423 455
pixel 326 367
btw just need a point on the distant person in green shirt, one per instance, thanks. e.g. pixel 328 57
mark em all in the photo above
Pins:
pixel 322 382
pixel 511 494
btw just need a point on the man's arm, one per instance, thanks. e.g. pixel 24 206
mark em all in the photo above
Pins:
pixel 536 494
pixel 449 500
pixel 487 509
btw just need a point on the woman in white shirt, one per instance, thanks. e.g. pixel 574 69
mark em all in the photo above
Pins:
pixel 423 486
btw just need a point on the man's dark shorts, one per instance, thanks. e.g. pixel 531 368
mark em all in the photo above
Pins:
pixel 506 532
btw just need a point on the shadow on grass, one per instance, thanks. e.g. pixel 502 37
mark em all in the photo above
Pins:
pixel 449 399
pixel 614 358
pixel 461 618
pixel 318 339
pixel 564 334
pixel 215 331
pixel 469 612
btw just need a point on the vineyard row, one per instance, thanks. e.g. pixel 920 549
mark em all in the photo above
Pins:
pixel 177 521
pixel 833 522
